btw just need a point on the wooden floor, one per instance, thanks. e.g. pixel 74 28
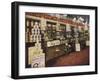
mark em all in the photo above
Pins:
pixel 72 59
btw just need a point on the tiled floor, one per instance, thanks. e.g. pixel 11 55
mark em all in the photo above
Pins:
pixel 72 59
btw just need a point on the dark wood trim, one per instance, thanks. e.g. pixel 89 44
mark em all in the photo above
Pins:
pixel 15 41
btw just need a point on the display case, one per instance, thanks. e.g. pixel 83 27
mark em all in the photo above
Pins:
pixel 51 30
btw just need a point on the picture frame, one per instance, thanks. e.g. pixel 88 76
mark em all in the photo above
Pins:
pixel 50 41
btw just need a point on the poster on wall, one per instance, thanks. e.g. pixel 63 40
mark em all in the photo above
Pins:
pixel 51 40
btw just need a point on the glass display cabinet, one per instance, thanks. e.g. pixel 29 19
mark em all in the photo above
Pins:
pixel 51 30
pixel 54 48
pixel 82 38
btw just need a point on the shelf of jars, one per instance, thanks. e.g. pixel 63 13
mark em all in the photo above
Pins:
pixel 35 56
